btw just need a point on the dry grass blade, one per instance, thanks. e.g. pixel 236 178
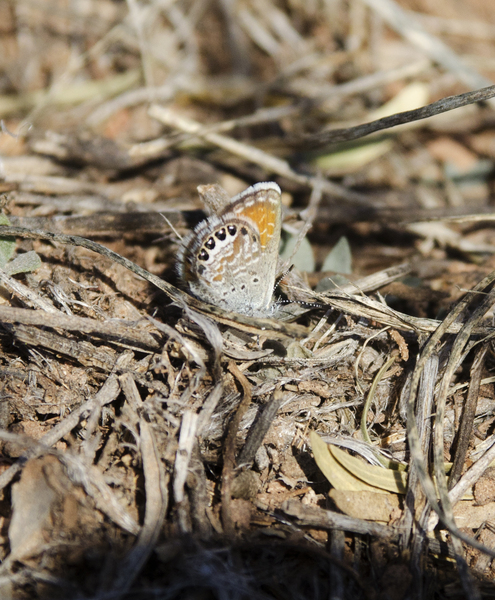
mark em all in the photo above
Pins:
pixel 416 452
pixel 187 441
pixel 416 509
pixel 311 516
pixel 259 428
pixel 468 415
pixel 155 482
pixel 229 449
pixel 458 348
pixel 472 475
pixel 369 308
pixel 17 288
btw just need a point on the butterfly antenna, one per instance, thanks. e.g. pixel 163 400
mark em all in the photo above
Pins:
pixel 167 221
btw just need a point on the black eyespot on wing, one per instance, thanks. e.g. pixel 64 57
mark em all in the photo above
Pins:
pixel 221 234
pixel 210 243
pixel 244 231
pixel 232 229
pixel 203 255
pixel 201 269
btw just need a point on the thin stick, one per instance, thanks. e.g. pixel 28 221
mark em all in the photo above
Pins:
pixel 408 116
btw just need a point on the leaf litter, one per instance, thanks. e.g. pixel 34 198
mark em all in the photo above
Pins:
pixel 155 446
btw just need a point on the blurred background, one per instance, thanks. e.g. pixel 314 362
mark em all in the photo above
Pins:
pixel 78 78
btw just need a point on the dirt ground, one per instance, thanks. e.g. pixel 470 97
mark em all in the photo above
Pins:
pixel 337 445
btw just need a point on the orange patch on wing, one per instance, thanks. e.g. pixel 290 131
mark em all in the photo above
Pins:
pixel 264 215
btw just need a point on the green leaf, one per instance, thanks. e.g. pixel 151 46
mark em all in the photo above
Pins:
pixel 7 244
pixel 303 259
pixel 354 158
pixel 339 259
pixel 24 263
pixel 337 475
